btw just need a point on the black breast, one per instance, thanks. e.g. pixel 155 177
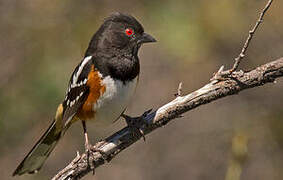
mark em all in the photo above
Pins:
pixel 122 68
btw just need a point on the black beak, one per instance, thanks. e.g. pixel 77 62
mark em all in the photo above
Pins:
pixel 146 38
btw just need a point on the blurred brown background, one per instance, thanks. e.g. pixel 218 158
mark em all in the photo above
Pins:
pixel 42 42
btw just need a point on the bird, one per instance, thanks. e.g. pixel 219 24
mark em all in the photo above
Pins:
pixel 100 87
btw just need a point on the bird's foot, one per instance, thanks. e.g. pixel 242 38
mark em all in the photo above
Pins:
pixel 136 124
pixel 93 149
pixel 90 150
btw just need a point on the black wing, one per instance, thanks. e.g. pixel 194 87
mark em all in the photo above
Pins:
pixel 77 91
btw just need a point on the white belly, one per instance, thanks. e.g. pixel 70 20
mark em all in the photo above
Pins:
pixel 114 100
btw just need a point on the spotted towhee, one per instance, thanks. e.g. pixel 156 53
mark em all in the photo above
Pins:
pixel 100 86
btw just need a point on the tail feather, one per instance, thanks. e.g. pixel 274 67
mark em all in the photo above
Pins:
pixel 40 151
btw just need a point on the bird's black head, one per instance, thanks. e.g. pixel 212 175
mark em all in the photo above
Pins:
pixel 119 33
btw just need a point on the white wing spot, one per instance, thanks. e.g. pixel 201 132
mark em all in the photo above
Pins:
pixel 85 81
pixel 72 103
pixel 79 84
pixel 75 100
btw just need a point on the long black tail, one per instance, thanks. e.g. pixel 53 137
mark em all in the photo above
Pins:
pixel 40 151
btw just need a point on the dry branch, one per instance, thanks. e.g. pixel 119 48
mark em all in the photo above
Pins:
pixel 250 36
pixel 242 54
pixel 212 91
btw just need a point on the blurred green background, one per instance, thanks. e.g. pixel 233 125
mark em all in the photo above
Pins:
pixel 239 137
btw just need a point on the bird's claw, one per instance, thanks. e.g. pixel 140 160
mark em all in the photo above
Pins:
pixel 93 149
pixel 88 149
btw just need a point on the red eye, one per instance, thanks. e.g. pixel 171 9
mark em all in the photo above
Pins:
pixel 129 31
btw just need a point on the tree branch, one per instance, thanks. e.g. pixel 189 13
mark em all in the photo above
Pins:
pixel 212 91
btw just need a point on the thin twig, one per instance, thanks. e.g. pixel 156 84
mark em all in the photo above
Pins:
pixel 246 45
pixel 251 33
pixel 179 90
